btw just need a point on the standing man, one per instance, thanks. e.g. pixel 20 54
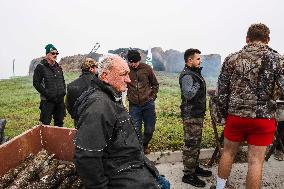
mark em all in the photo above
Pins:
pixel 246 88
pixel 279 155
pixel 78 86
pixel 193 107
pixel 49 81
pixel 142 92
pixel 109 153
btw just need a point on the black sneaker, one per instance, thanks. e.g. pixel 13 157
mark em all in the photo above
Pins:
pixel 213 187
pixel 203 173
pixel 193 180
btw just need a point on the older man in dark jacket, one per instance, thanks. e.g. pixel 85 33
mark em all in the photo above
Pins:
pixel 109 154
pixel 49 81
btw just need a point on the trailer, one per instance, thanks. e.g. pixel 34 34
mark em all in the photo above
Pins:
pixel 56 140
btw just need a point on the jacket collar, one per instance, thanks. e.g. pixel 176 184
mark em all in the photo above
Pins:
pixel 109 90
pixel 140 66
pixel 84 72
pixel 196 70
pixel 256 46
pixel 44 62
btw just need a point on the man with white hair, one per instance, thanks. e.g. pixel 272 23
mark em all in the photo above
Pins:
pixel 109 153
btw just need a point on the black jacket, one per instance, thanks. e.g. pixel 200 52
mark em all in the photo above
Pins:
pixel 76 88
pixel 193 98
pixel 109 153
pixel 49 81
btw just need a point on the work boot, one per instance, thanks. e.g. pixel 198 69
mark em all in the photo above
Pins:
pixel 193 180
pixel 203 173
pixel 278 155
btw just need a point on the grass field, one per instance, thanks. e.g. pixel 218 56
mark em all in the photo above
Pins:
pixel 19 103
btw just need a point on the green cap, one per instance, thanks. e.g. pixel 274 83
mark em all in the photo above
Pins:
pixel 49 48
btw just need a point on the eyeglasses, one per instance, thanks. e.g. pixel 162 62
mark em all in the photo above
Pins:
pixel 54 53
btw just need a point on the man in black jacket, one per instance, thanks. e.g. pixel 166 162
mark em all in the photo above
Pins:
pixel 193 107
pixel 49 81
pixel 81 84
pixel 109 153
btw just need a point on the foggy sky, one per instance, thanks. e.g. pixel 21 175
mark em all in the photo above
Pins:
pixel 74 26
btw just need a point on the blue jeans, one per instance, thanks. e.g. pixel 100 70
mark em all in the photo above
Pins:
pixel 147 114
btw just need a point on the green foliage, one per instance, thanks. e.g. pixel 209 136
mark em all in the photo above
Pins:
pixel 19 103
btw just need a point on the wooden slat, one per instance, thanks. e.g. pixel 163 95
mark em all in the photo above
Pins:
pixel 18 148
pixel 59 141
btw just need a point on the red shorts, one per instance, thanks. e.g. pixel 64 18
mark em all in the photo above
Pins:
pixel 256 131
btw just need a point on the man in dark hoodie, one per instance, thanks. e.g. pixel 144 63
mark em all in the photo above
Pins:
pixel 193 107
pixel 78 86
pixel 49 81
pixel 109 153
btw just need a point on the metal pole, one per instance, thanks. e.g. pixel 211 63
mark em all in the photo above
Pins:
pixel 14 66
pixel 95 48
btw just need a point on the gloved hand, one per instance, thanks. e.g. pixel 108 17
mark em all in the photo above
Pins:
pixel 163 182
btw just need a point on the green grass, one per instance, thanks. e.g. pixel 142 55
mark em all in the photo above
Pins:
pixel 19 103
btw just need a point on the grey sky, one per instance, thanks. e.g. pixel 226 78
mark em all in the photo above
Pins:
pixel 74 26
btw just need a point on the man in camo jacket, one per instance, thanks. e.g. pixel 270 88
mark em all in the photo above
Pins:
pixel 246 97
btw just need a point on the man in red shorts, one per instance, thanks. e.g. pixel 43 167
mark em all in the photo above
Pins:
pixel 246 88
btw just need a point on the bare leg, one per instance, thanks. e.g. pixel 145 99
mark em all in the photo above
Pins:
pixel 256 156
pixel 225 165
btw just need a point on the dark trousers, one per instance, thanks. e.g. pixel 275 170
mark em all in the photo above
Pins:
pixel 192 140
pixel 52 109
pixel 136 178
pixel 280 128
pixel 147 115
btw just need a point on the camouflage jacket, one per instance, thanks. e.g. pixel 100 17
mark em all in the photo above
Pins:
pixel 249 80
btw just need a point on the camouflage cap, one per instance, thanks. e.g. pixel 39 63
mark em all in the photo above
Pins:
pixel 89 63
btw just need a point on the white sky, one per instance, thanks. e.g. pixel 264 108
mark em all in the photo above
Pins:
pixel 74 26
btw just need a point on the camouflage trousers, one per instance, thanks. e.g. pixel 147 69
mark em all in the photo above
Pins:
pixel 192 139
